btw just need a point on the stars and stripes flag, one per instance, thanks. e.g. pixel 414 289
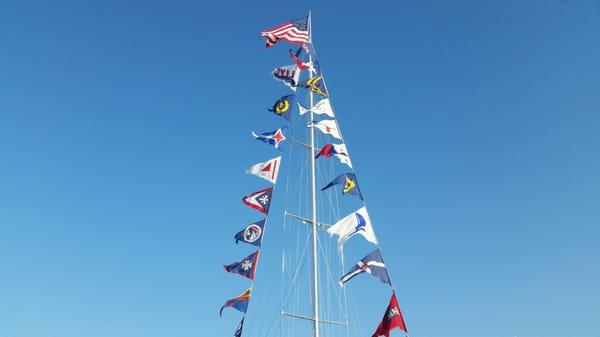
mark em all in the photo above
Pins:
pixel 295 31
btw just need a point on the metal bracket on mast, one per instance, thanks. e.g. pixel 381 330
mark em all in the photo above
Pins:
pixel 311 319
pixel 305 220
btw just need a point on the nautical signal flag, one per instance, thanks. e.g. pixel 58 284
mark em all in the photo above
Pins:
pixel 356 223
pixel 315 85
pixel 283 106
pixel 295 55
pixel 238 331
pixel 391 319
pixel 337 150
pixel 267 170
pixel 295 31
pixel 372 264
pixel 239 302
pixel 322 107
pixel 289 75
pixel 329 127
pixel 349 182
pixel 252 234
pixel 275 138
pixel 245 267
pixel 259 200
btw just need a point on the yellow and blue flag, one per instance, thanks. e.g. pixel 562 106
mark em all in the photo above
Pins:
pixel 283 106
pixel 315 85
pixel 349 182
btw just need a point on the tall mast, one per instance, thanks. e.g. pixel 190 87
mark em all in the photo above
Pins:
pixel 315 267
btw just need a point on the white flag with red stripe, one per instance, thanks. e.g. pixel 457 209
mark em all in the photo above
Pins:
pixel 328 126
pixel 267 170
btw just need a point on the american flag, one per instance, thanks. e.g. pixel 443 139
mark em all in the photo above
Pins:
pixel 293 32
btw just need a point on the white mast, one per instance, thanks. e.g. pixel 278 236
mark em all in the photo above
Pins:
pixel 315 267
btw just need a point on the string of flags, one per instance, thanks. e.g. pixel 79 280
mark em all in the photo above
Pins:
pixel 356 223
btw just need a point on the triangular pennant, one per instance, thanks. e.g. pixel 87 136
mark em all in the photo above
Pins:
pixel 328 126
pixel 391 319
pixel 259 200
pixel 252 234
pixel 245 267
pixel 356 223
pixel 267 170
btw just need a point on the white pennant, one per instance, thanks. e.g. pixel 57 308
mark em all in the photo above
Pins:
pixel 289 75
pixel 342 154
pixel 329 127
pixel 323 107
pixel 267 170
pixel 357 223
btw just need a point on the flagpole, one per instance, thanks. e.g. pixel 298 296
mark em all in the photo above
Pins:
pixel 315 267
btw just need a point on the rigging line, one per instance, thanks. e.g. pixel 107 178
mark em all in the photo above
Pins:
pixel 329 274
pixel 296 273
pixel 353 170
pixel 290 156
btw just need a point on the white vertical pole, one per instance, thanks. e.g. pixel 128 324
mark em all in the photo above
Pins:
pixel 315 267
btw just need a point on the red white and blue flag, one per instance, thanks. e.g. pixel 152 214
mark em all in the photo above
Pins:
pixel 275 138
pixel 259 200
pixel 295 55
pixel 391 319
pixel 245 267
pixel 372 264
pixel 337 150
pixel 295 31
pixel 252 234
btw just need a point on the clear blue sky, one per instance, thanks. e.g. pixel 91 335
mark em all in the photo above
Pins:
pixel 125 131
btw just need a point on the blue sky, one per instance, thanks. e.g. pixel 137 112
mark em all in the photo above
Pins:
pixel 125 132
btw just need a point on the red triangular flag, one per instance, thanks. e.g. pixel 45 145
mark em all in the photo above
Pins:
pixel 391 319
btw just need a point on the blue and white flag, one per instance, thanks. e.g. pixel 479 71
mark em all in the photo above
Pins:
pixel 356 223
pixel 372 264
pixel 238 331
pixel 245 267
pixel 289 75
pixel 252 234
pixel 275 138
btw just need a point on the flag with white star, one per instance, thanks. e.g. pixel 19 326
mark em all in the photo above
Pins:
pixel 245 267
